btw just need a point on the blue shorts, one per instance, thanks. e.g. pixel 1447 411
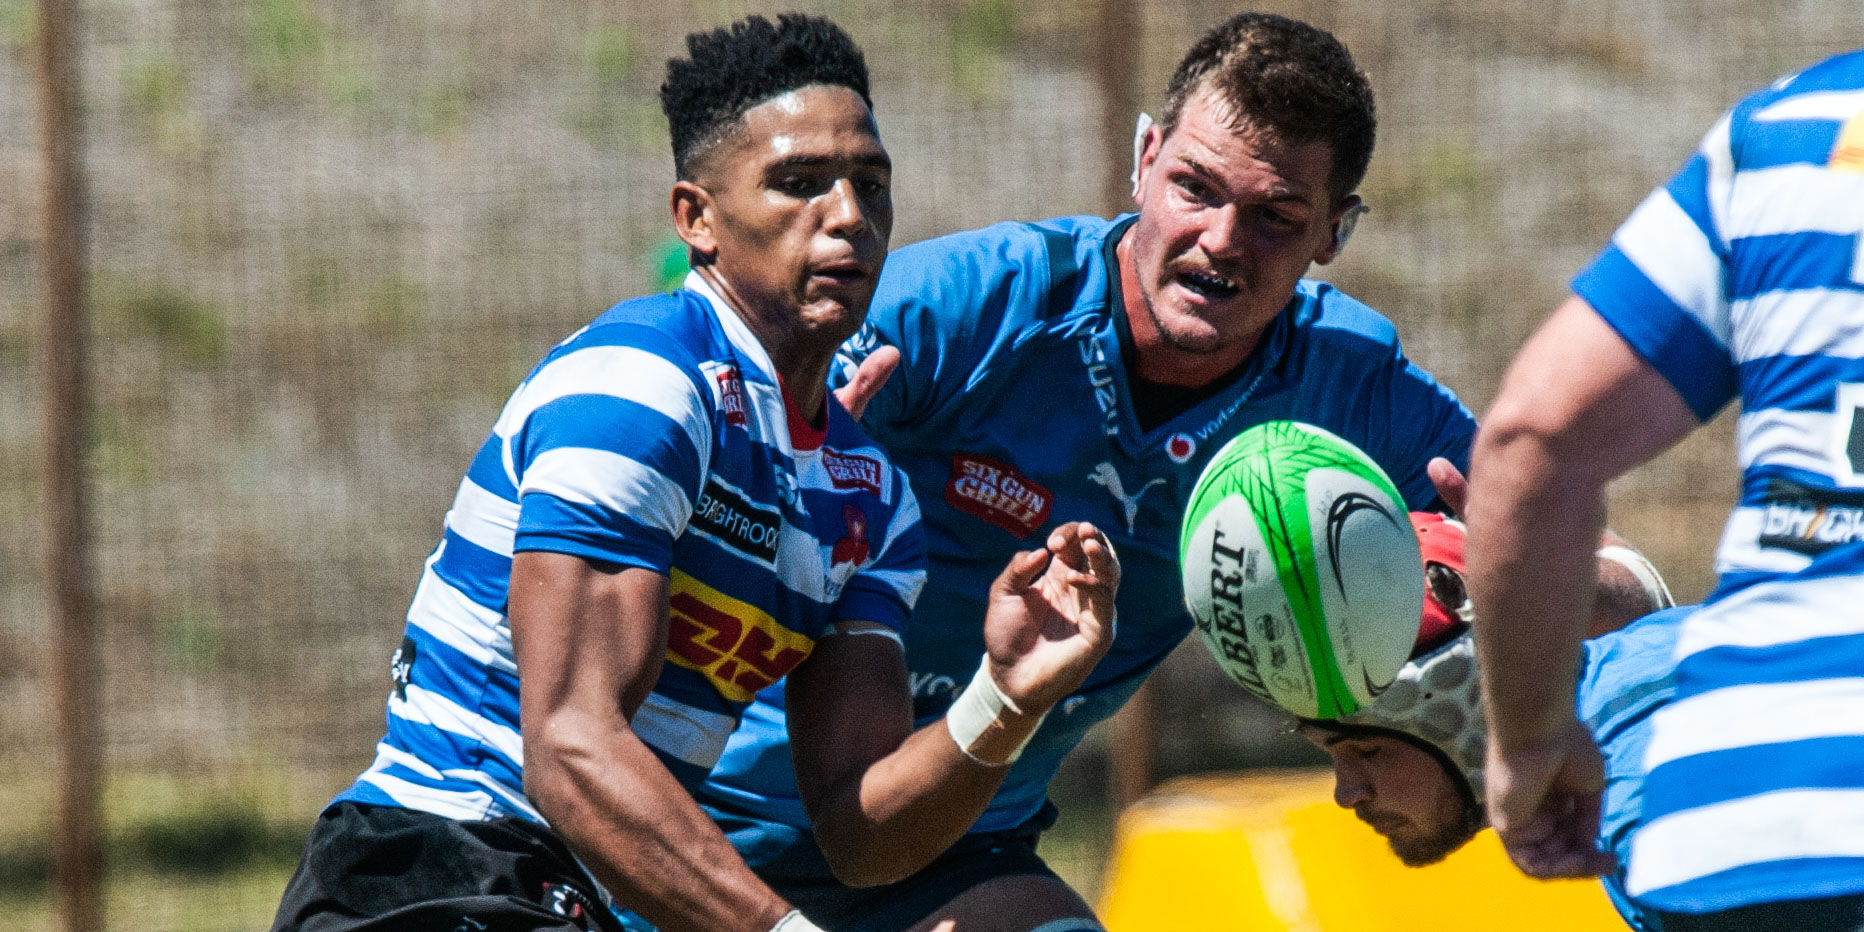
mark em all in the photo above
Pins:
pixel 788 859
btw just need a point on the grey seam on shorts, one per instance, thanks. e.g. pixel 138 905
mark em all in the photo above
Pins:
pixel 1070 925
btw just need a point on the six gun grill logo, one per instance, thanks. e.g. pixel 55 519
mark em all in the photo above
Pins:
pixel 996 492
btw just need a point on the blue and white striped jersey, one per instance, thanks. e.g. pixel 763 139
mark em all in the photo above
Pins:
pixel 1012 414
pixel 1745 276
pixel 656 437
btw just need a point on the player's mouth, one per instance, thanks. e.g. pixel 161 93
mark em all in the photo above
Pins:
pixel 1207 285
pixel 841 273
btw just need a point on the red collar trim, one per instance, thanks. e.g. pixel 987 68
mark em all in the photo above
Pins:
pixel 803 436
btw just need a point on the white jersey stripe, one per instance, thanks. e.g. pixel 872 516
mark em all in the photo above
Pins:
pixel 1796 199
pixel 1717 149
pixel 430 708
pixel 1799 323
pixel 695 736
pixel 460 623
pixel 483 518
pixel 1795 610
pixel 1814 105
pixel 904 584
pixel 1772 826
pixel 618 483
pixel 452 804
pixel 617 371
pixel 1757 713
pixel 1668 246
pixel 485 802
pixel 1772 436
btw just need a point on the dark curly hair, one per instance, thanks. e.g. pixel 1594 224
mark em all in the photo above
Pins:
pixel 737 67
pixel 1289 78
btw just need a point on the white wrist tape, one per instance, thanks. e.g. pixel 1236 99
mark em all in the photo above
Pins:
pixel 1647 575
pixel 976 710
pixel 794 922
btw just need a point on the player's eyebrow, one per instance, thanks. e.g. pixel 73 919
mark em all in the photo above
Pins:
pixel 1280 192
pixel 806 160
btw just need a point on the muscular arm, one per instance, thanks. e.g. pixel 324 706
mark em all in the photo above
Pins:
pixel 885 800
pixel 1577 408
pixel 589 643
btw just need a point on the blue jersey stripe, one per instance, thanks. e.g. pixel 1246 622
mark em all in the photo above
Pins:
pixel 1813 659
pixel 1689 189
pixel 591 531
pixel 1790 261
pixel 1677 345
pixel 613 425
pixel 475 571
pixel 439 667
pixel 1795 142
pixel 488 469
pixel 1796 383
pixel 1803 878
pixel 1705 779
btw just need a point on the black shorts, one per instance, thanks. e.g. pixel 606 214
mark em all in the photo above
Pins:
pixel 1829 914
pixel 379 868
pixel 788 860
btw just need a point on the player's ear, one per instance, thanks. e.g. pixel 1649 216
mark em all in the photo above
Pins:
pixel 695 220
pixel 1345 218
pixel 1146 148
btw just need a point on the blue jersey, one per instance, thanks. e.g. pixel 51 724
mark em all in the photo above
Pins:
pixel 1626 679
pixel 657 437
pixel 1744 276
pixel 1011 414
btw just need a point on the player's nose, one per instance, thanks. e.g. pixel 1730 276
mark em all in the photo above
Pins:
pixel 846 216
pixel 1222 235
pixel 1350 788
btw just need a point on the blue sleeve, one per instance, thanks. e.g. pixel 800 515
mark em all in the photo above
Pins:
pixel 609 440
pixel 944 303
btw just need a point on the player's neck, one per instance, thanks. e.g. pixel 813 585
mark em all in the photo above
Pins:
pixel 801 366
pixel 1154 358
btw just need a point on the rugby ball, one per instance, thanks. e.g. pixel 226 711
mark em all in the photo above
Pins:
pixel 1301 569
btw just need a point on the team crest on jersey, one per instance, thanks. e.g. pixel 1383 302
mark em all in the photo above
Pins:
pixel 730 517
pixel 852 471
pixel 731 396
pixel 737 646
pixel 997 493
pixel 1180 447
pixel 852 547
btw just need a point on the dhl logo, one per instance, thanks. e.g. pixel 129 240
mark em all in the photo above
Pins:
pixel 739 647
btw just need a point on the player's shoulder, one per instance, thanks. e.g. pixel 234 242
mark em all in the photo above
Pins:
pixel 1631 665
pixel 1775 116
pixel 1339 320
pixel 678 326
pixel 1000 251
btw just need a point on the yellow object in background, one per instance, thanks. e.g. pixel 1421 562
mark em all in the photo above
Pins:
pixel 1272 853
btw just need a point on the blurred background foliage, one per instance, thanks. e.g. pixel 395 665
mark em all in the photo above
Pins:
pixel 327 238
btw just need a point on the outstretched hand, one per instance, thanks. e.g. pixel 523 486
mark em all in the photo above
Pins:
pixel 868 378
pixel 1544 803
pixel 1050 616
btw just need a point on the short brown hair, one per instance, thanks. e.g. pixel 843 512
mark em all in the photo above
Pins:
pixel 1289 78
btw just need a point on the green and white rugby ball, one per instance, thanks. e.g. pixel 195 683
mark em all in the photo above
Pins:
pixel 1301 569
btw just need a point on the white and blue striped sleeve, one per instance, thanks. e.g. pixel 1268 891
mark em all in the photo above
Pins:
pixel 608 443
pixel 1662 281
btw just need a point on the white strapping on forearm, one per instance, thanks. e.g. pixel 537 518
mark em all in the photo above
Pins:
pixel 976 709
pixel 794 922
pixel 1647 575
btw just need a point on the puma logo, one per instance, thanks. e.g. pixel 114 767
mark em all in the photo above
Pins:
pixel 1109 477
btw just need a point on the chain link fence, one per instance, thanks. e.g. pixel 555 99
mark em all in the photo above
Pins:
pixel 327 238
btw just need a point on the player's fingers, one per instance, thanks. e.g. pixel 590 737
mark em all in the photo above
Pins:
pixel 1022 571
pixel 1102 560
pixel 1452 487
pixel 868 378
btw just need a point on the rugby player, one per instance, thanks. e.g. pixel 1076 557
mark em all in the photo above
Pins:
pixel 1741 277
pixel 1087 369
pixel 671 513
pixel 1410 764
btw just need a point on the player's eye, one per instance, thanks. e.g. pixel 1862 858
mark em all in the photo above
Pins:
pixel 802 185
